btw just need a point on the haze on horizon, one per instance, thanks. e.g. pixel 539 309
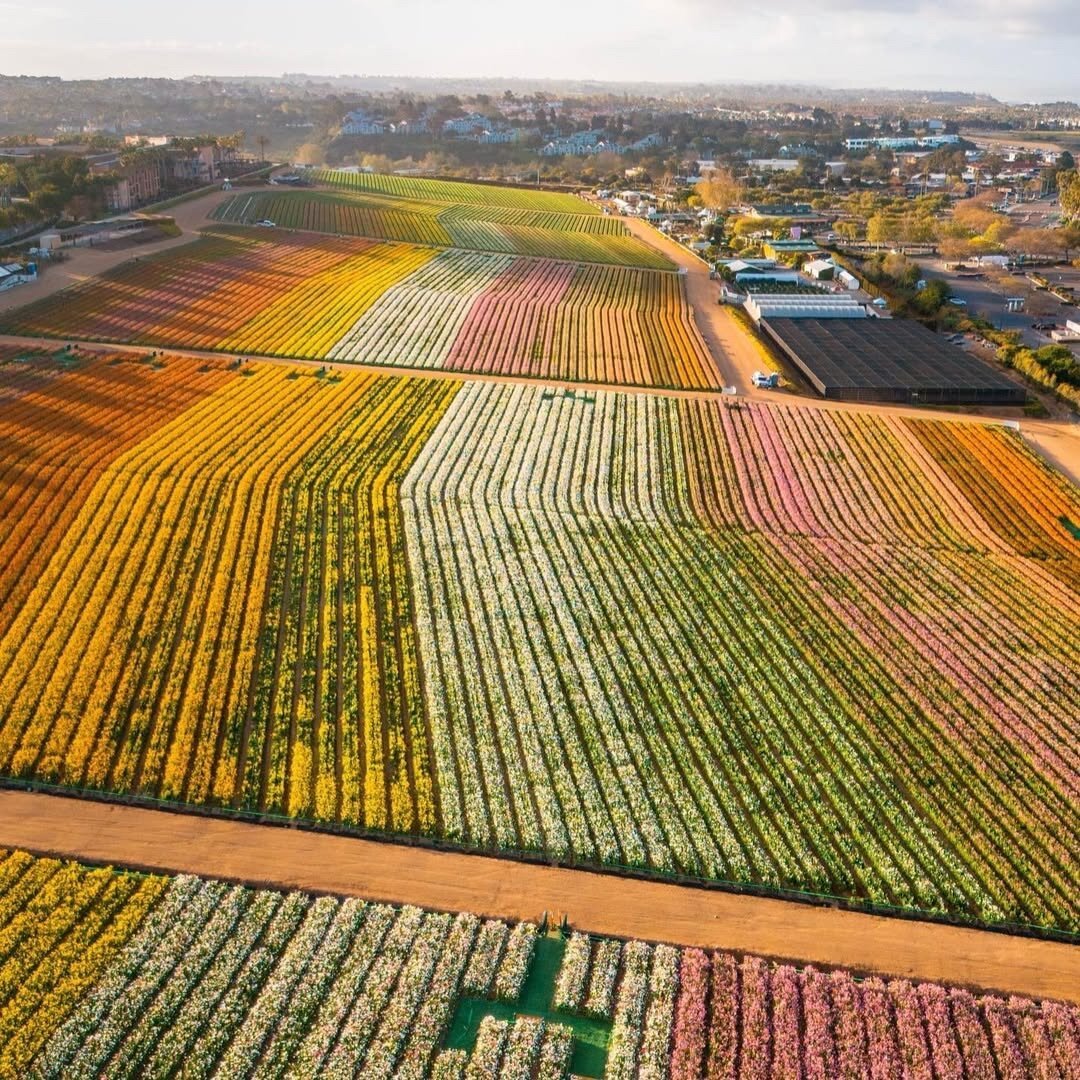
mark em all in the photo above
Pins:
pixel 1017 50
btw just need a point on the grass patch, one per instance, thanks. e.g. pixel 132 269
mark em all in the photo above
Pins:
pixel 591 1036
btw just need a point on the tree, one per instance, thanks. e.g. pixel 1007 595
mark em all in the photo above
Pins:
pixel 1068 236
pixel 954 249
pixel 1069 194
pixel 309 154
pixel 882 229
pixel 719 190
pixel 9 177
pixel 931 299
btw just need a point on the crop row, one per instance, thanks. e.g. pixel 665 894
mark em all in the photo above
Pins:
pixel 60 434
pixel 200 294
pixel 574 237
pixel 378 303
pixel 536 318
pixel 115 974
pixel 768 725
pixel 618 629
pixel 454 191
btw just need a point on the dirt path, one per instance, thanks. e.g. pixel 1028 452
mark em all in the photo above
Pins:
pixel 601 904
pixel 1057 441
pixel 84 262
pixel 737 359
pixel 733 353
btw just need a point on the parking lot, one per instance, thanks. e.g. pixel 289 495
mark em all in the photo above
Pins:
pixel 986 296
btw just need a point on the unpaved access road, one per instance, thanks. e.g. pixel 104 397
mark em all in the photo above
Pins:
pixel 1057 441
pixel 602 904
pixel 84 262
pixel 729 345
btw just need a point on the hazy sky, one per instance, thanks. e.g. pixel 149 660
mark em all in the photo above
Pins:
pixel 1014 49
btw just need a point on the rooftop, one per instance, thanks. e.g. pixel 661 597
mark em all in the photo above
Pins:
pixel 895 360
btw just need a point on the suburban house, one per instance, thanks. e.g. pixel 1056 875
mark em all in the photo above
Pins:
pixel 360 122
pixel 470 124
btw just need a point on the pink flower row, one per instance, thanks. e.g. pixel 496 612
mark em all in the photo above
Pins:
pixel 750 1019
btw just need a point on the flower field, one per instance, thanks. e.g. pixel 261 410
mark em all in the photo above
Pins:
pixel 821 697
pixel 310 297
pixel 487 314
pixel 454 191
pixel 575 237
pixel 200 296
pixel 798 648
pixel 105 973
pixel 62 424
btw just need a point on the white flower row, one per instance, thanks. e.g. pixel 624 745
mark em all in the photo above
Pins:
pixel 522 1048
pixel 247 1044
pixel 436 1009
pixel 655 1052
pixel 128 1005
pixel 450 1065
pixel 321 972
pixel 629 1012
pixel 243 991
pixel 360 1024
pixel 416 322
pixel 55 1057
pixel 488 1050
pixel 605 969
pixel 573 974
pixel 203 998
pixel 515 963
pixel 484 962
pixel 413 986
pixel 344 991
pixel 160 1014
pixel 556 1052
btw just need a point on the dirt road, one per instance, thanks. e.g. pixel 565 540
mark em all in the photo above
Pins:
pixel 87 262
pixel 731 349
pixel 601 904
pixel 737 358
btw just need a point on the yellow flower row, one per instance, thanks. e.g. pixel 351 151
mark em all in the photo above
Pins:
pixel 309 319
pixel 56 944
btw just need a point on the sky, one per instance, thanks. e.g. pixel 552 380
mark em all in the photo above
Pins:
pixel 1017 50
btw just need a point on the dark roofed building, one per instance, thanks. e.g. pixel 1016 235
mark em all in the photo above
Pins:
pixel 889 360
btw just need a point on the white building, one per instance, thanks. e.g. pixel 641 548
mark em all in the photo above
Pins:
pixel 784 306
pixel 466 125
pixel 901 142
pixel 773 164
pixel 15 274
pixel 359 122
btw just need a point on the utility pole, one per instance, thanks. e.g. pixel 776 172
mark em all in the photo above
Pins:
pixel 262 147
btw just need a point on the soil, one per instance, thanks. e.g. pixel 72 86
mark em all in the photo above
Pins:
pixel 288 858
